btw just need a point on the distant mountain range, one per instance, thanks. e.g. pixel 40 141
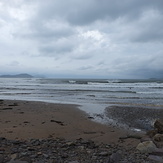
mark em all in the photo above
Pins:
pixel 17 76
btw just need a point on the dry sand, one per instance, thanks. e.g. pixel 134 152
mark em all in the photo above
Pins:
pixel 26 120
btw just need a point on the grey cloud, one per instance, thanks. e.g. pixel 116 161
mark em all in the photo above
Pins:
pixel 79 13
pixel 150 33
pixel 54 50
pixel 82 56
pixel 149 28
pixel 41 33
pixel 88 67
pixel 86 12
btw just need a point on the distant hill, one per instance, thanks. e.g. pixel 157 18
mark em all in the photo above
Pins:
pixel 17 76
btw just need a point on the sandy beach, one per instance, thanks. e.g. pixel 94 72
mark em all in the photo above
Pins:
pixel 34 131
pixel 25 120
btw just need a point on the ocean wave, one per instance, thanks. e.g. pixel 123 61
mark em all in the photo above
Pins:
pixel 93 82
pixel 72 81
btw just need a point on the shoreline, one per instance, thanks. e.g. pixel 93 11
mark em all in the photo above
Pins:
pixel 29 119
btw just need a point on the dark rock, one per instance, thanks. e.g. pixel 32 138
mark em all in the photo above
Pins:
pixel 21 112
pixel 1 158
pixel 103 154
pixel 26 122
pixel 17 161
pixel 156 158
pixel 7 109
pixel 152 133
pixel 14 104
pixel 89 132
pixel 158 137
pixel 91 117
pixel 158 152
pixel 131 136
pixel 115 157
pixel 159 126
pixel 1 152
pixel 2 138
pixel 59 122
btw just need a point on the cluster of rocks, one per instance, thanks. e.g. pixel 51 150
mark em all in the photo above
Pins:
pixel 153 143
pixel 63 151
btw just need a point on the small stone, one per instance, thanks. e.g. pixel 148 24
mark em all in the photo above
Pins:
pixel 31 149
pixel 70 143
pixel 39 153
pixel 46 156
pixel 115 157
pixel 26 122
pixel 27 159
pixel 103 154
pixel 17 161
pixel 94 157
pixel 64 155
pixel 88 151
pixel 81 147
pixel 1 152
pixel 13 156
pixel 23 153
pixel 158 152
pixel 156 158
pixel 1 158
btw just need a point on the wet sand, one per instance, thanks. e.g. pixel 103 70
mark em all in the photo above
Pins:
pixel 26 120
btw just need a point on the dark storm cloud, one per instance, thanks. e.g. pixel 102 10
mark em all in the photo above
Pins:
pixel 46 33
pixel 85 12
pixel 150 32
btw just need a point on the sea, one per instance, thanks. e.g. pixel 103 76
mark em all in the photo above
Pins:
pixel 91 95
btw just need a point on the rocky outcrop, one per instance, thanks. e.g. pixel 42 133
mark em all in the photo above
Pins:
pixel 153 144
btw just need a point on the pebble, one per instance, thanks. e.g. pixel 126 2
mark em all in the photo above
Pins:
pixel 62 151
pixel 17 161
pixel 103 154
pixel 156 158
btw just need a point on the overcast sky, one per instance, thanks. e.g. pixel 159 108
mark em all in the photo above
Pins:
pixel 82 38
